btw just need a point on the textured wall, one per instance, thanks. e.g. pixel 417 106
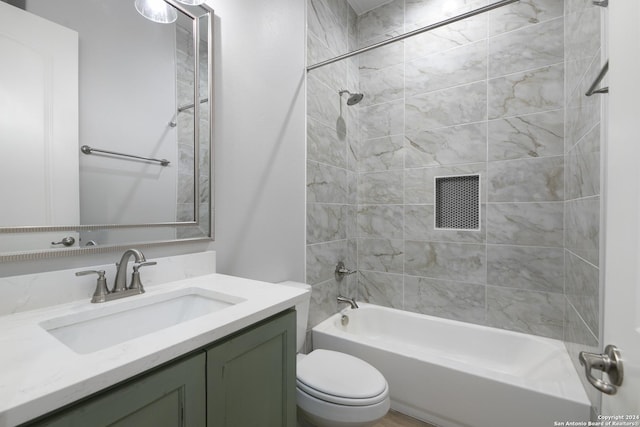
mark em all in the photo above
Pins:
pixel 483 96
pixel 582 183
pixel 502 95
pixel 331 165
pixel 486 96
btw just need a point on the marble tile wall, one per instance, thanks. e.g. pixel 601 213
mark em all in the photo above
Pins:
pixel 501 95
pixel 486 96
pixel 583 287
pixel 331 164
pixel 497 95
pixel 184 120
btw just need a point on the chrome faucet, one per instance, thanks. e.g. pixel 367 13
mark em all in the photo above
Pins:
pixel 120 288
pixel 120 283
pixel 350 301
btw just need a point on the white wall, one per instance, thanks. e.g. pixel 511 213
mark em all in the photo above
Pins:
pixel 127 99
pixel 260 138
pixel 259 146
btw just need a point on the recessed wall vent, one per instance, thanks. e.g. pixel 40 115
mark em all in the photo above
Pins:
pixel 457 202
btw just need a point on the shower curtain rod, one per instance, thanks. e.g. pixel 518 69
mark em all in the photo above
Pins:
pixel 448 21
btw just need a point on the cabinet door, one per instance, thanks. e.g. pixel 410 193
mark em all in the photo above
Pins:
pixel 173 396
pixel 251 378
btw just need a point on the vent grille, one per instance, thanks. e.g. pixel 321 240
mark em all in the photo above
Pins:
pixel 458 202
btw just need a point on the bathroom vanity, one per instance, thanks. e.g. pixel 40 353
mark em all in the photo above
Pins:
pixel 242 380
pixel 200 351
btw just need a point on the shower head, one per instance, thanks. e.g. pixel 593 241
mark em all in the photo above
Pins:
pixel 354 98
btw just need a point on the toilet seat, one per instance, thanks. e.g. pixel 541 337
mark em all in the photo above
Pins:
pixel 339 400
pixel 340 379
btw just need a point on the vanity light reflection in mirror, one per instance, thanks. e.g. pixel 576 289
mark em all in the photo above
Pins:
pixel 161 12
pixel 119 79
pixel 156 11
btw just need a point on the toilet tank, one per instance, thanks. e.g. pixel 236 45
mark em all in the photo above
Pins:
pixel 302 312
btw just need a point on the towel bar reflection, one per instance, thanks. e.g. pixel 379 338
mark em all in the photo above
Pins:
pixel 88 150
pixel 188 106
pixel 592 90
pixel 174 123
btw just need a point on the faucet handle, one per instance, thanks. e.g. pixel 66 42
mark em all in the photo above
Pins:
pixel 137 265
pixel 99 295
pixel 100 273
pixel 135 276
pixel 67 241
pixel 342 271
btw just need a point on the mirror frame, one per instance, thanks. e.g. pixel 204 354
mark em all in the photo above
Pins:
pixel 208 14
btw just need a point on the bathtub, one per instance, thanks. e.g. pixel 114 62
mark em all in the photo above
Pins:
pixel 455 374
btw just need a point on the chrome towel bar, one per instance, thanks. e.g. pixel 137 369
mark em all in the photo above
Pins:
pixel 88 150
pixel 592 89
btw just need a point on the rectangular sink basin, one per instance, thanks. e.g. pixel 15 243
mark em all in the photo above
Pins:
pixel 107 326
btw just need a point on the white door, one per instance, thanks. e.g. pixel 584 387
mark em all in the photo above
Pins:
pixel 38 127
pixel 622 205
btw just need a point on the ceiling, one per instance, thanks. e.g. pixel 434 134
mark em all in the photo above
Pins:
pixel 362 6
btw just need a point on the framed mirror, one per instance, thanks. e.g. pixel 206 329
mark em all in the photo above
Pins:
pixel 105 125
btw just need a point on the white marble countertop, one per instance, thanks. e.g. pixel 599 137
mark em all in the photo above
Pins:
pixel 40 374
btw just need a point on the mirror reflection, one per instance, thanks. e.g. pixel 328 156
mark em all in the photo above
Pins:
pixel 100 75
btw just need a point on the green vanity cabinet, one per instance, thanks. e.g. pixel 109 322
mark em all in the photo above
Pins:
pixel 171 396
pixel 245 380
pixel 251 377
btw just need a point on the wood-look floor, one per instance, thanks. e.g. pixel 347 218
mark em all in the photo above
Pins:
pixel 396 419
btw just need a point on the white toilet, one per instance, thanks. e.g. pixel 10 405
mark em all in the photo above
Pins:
pixel 335 389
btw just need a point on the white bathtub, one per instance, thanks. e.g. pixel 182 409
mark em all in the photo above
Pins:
pixel 455 374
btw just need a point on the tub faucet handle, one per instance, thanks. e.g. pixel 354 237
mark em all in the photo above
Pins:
pixel 342 271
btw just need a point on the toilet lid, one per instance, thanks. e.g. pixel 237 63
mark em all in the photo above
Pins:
pixel 340 378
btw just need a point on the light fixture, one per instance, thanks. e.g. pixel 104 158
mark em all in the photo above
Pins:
pixel 192 2
pixel 157 11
